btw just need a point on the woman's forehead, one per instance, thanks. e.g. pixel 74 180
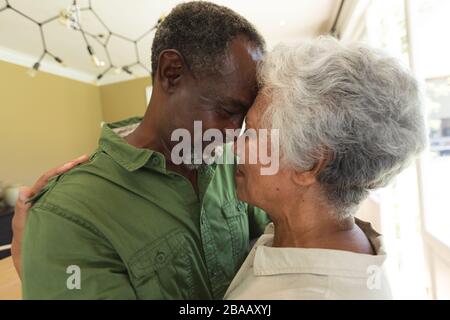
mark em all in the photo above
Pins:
pixel 261 103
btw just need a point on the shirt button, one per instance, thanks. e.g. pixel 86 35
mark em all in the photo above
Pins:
pixel 155 161
pixel 160 257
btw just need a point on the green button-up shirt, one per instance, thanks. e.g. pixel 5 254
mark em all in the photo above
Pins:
pixel 122 226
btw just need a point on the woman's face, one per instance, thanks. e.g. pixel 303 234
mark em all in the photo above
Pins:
pixel 254 185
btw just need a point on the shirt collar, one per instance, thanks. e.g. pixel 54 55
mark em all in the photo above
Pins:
pixel 272 261
pixel 129 157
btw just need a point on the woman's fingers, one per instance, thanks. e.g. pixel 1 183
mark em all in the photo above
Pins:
pixel 18 225
pixel 23 206
pixel 43 180
pixel 69 165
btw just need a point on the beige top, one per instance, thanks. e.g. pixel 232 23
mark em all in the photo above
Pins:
pixel 297 273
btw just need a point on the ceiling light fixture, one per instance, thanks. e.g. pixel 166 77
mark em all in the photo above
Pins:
pixel 70 17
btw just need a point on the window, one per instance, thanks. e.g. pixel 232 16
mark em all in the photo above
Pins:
pixel 431 55
pixel 414 211
pixel 385 28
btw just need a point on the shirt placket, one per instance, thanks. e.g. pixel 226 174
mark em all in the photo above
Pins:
pixel 209 246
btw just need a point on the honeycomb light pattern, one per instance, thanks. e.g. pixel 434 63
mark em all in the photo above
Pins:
pixel 103 39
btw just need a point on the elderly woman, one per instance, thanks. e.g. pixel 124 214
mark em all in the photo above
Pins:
pixel 350 121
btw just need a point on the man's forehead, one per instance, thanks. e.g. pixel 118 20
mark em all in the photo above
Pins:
pixel 224 92
pixel 231 98
pixel 242 55
pixel 256 53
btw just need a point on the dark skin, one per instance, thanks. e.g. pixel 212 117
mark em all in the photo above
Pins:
pixel 179 98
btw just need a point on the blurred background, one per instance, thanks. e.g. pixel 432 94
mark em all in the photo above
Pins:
pixel 67 66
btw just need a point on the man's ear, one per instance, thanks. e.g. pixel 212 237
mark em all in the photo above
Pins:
pixel 308 177
pixel 171 67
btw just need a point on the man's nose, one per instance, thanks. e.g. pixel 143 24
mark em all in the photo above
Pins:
pixel 235 147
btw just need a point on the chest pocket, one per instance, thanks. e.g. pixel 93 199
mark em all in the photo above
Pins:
pixel 235 213
pixel 163 269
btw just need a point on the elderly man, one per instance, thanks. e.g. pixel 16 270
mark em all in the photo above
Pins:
pixel 131 224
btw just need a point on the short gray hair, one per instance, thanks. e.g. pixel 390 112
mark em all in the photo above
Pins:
pixel 202 31
pixel 355 103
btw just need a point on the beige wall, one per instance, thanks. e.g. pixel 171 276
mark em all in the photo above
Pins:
pixel 47 120
pixel 124 99
pixel 44 121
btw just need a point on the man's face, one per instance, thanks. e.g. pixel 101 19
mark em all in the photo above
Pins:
pixel 220 101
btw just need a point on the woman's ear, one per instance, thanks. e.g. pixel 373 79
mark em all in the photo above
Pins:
pixel 308 177
pixel 171 67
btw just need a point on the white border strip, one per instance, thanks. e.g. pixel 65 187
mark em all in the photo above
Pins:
pixel 5 247
pixel 26 60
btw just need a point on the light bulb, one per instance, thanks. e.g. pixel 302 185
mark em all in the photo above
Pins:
pixel 64 17
pixel 98 63
pixel 32 72
pixel 70 17
pixel 74 16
